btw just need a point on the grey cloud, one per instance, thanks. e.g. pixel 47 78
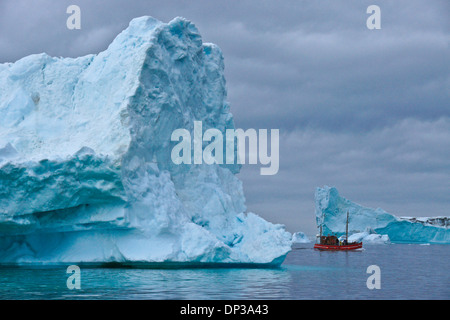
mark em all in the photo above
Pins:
pixel 403 169
pixel 330 79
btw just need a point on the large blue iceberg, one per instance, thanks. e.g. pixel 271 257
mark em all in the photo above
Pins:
pixel 331 213
pixel 85 157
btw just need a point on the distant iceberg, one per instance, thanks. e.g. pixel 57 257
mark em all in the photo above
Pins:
pixel 300 237
pixel 85 157
pixel 331 212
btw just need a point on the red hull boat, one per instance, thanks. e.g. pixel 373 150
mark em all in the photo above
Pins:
pixel 332 243
pixel 344 247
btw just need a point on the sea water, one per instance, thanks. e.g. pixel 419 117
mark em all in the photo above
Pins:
pixel 406 272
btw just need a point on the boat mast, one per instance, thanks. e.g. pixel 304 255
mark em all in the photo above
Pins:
pixel 320 228
pixel 321 223
pixel 346 229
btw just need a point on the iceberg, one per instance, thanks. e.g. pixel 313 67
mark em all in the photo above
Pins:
pixel 300 237
pixel 85 157
pixel 368 236
pixel 375 224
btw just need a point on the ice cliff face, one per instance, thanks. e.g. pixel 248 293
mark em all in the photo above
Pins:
pixel 85 167
pixel 331 212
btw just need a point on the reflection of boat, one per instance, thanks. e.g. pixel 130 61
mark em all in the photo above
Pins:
pixel 333 243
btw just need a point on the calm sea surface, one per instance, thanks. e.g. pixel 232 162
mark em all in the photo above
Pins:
pixel 407 272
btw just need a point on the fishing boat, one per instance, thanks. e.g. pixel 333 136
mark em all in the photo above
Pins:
pixel 332 243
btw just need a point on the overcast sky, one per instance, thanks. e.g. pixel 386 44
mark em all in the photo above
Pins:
pixel 366 111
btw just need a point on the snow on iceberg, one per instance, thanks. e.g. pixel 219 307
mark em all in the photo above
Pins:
pixel 331 212
pixel 85 157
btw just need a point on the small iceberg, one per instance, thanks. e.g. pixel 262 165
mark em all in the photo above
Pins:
pixel 300 237
pixel 369 236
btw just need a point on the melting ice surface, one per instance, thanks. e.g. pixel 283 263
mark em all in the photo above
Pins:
pixel 375 225
pixel 85 167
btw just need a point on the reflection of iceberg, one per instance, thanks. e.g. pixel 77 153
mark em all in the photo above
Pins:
pixel 332 209
pixel 85 157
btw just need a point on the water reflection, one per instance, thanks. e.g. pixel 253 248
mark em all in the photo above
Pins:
pixel 408 272
pixel 147 283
